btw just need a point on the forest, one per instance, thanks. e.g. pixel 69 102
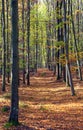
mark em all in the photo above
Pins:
pixel 41 64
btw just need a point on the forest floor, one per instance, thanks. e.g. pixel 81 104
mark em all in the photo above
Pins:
pixel 46 104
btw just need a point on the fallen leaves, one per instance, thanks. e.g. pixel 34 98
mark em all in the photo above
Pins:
pixel 46 105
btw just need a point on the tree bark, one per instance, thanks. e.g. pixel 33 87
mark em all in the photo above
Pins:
pixel 4 47
pixel 28 41
pixel 67 54
pixel 15 67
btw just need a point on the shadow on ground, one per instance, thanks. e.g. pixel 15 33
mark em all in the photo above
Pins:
pixel 24 127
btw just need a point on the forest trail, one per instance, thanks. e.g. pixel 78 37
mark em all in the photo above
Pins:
pixel 46 104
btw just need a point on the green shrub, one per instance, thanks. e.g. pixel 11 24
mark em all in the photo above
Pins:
pixel 5 108
pixel 10 124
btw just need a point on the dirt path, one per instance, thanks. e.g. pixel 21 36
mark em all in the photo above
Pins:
pixel 46 105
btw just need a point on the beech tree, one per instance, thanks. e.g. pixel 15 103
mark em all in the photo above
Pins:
pixel 23 39
pixel 67 50
pixel 4 47
pixel 28 42
pixel 13 118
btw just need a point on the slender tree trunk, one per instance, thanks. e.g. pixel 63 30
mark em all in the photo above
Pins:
pixel 23 33
pixel 75 43
pixel 78 20
pixel 28 41
pixel 36 64
pixel 58 39
pixel 8 58
pixel 67 54
pixel 4 48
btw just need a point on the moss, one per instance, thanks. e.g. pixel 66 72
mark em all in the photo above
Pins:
pixel 10 124
pixel 5 108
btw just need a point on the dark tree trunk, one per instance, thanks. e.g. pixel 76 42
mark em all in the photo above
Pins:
pixel 76 48
pixel 58 39
pixel 23 33
pixel 36 63
pixel 4 47
pixel 15 67
pixel 7 45
pixel 66 51
pixel 28 41
pixel 48 33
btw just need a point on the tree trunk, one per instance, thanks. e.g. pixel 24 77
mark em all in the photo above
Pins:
pixel 75 43
pixel 23 33
pixel 7 44
pixel 28 41
pixel 15 67
pixel 67 54
pixel 4 47
pixel 36 63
